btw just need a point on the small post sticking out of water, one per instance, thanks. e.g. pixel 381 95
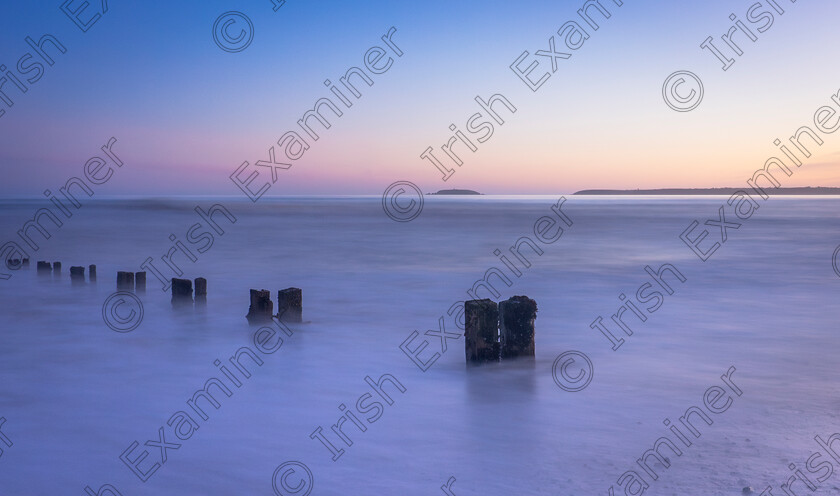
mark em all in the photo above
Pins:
pixel 481 331
pixel 182 292
pixel 26 262
pixel 77 275
pixel 56 270
pixel 290 305
pixel 92 273
pixel 200 291
pixel 125 281
pixel 261 307
pixel 140 282
pixel 516 326
pixel 44 268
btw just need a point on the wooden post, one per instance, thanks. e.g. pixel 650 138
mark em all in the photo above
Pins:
pixel 182 292
pixel 261 307
pixel 516 326
pixel 125 281
pixel 140 281
pixel 290 305
pixel 77 275
pixel 201 286
pixel 200 291
pixel 481 331
pixel 44 268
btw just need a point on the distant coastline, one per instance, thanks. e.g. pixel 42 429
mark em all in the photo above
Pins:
pixel 709 191
pixel 458 192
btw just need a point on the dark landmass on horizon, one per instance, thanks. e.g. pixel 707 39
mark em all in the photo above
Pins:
pixel 819 190
pixel 458 192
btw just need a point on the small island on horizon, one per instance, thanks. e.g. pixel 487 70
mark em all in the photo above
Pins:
pixel 817 190
pixel 455 192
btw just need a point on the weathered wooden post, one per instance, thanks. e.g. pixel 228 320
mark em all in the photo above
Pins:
pixel 290 305
pixel 140 281
pixel 200 286
pixel 56 269
pixel 77 275
pixel 182 292
pixel 200 291
pixel 44 268
pixel 26 262
pixel 92 273
pixel 125 281
pixel 516 326
pixel 261 307
pixel 481 331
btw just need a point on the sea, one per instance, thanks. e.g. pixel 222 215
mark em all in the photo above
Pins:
pixel 88 407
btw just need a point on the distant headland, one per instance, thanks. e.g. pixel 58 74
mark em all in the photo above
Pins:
pixel 455 192
pixel 710 191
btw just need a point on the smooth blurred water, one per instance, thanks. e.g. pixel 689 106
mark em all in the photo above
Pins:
pixel 76 394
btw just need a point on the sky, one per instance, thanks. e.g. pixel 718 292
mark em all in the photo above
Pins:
pixel 186 114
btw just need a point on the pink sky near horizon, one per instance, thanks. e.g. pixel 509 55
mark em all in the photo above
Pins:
pixel 186 120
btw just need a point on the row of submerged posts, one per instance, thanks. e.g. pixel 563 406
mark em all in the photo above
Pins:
pixel 498 331
pixel 18 263
pixel 492 331
pixel 289 300
pixel 182 292
pixel 131 281
pixel 289 306
pixel 77 273
pixel 182 289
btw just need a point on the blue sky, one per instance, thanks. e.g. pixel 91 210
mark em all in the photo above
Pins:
pixel 186 113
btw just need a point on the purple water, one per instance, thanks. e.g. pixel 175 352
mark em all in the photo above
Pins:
pixel 75 394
